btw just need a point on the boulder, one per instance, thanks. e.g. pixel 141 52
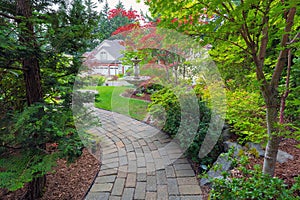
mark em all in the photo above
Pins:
pixel 236 146
pixel 258 147
pixel 283 156
pixel 225 165
pixel 226 133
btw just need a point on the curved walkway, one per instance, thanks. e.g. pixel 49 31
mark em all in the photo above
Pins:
pixel 140 162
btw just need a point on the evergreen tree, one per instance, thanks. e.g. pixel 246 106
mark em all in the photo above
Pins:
pixel 40 50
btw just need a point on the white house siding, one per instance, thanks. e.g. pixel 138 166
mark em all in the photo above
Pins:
pixel 110 71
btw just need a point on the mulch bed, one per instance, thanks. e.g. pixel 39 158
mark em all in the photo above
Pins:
pixel 289 170
pixel 69 181
pixel 130 94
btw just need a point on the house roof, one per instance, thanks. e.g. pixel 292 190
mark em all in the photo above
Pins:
pixel 112 47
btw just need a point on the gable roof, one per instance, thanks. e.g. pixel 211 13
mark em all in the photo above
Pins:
pixel 112 47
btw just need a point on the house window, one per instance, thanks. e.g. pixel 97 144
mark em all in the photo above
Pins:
pixel 103 55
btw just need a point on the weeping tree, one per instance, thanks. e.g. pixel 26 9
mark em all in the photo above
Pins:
pixel 264 31
pixel 44 46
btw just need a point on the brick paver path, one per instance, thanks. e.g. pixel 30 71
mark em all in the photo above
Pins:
pixel 140 162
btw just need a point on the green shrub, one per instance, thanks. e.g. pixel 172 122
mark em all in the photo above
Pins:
pixel 246 115
pixel 120 75
pixel 31 131
pixel 252 185
pixel 183 120
pixel 91 80
pixel 129 71
pixel 245 111
pixel 101 80
pixel 150 86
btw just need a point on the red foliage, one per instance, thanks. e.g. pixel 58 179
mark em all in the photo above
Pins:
pixel 127 27
pixel 130 14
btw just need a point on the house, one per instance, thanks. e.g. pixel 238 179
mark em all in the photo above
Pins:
pixel 105 58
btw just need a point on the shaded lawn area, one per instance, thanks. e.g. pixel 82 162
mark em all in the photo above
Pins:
pixel 109 98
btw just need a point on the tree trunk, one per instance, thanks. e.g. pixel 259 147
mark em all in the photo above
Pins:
pixel 35 188
pixel 31 71
pixel 273 141
pixel 32 80
pixel 30 63
pixel 176 74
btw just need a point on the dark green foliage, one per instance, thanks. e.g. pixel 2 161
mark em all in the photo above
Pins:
pixel 186 117
pixel 38 126
pixel 293 100
pixel 23 167
pixel 252 185
pixel 32 138
pixel 91 80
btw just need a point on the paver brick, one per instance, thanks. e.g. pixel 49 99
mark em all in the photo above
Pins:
pixel 110 155
pixel 162 192
pixel 173 186
pixel 107 172
pixel 159 164
pixel 146 149
pixel 151 196
pixel 128 194
pixel 182 166
pixel 140 190
pixel 141 162
pixel 129 148
pixel 110 165
pixel 131 180
pixel 97 196
pixel 132 166
pixel 103 187
pixel 110 160
pixel 187 181
pixel 152 146
pixel 105 179
pixel 120 144
pixel 151 184
pixel 189 189
pixel 155 154
pixel 170 172
pixel 131 156
pixel 109 150
pixel 161 178
pixel 142 142
pixel 185 173
pixel 148 157
pixel 118 187
pixel 123 160
pixel 141 177
pixel 122 172
pixel 139 150
pixel 114 198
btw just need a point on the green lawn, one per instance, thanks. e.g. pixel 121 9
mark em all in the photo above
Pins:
pixel 109 99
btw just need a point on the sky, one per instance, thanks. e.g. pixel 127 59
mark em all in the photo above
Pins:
pixel 127 3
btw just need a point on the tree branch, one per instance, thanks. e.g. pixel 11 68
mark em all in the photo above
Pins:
pixel 287 86
pixel 15 68
pixel 283 53
pixel 218 13
pixel 235 44
pixel 8 16
pixel 265 34
pixel 226 8
pixel 295 39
